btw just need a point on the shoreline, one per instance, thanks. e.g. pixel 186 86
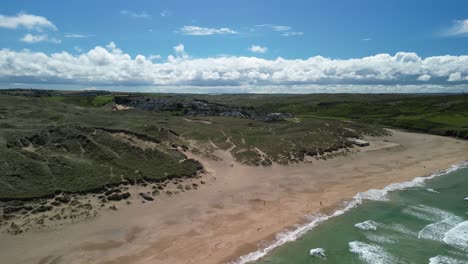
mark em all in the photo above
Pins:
pixel 237 213
pixel 285 237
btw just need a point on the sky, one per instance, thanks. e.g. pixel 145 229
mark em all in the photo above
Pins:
pixel 236 46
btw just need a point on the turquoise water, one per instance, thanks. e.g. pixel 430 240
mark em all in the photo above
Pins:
pixel 427 223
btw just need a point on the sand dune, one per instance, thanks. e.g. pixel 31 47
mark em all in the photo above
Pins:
pixel 240 208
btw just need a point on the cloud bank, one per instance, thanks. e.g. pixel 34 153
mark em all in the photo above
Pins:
pixel 111 66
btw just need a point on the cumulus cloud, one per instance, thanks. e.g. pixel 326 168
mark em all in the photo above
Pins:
pixel 457 77
pixel 460 27
pixel 134 14
pixel 424 78
pixel 110 65
pixel 30 38
pixel 258 49
pixel 30 22
pixel 204 31
pixel 154 57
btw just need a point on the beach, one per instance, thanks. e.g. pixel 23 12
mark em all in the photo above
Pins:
pixel 239 210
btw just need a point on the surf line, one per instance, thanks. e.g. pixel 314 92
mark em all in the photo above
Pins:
pixel 372 194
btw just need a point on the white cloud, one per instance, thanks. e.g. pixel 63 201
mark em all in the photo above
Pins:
pixel 30 22
pixel 134 14
pixel 292 34
pixel 73 35
pixel 92 88
pixel 179 48
pixel 460 27
pixel 77 49
pixel 109 65
pixel 154 57
pixel 424 78
pixel 366 39
pixel 30 38
pixel 258 49
pixel 165 13
pixel 455 77
pixel 285 30
pixel 203 31
pixel 274 27
pixel 180 53
pixel 280 28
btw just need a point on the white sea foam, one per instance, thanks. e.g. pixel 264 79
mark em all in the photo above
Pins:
pixel 458 236
pixel 402 229
pixel 367 225
pixel 445 260
pixel 373 194
pixel 436 231
pixel 427 213
pixel 372 254
pixel 318 252
pixel 382 239
pixel 431 190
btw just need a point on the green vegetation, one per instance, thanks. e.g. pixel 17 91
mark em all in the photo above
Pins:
pixel 48 146
pixel 72 141
pixel 435 114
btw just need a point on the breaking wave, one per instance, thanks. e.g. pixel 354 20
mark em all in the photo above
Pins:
pixel 367 225
pixel 458 236
pixel 372 194
pixel 370 253
pixel 445 260
pixel 436 231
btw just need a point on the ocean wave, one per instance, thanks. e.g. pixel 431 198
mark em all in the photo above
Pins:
pixel 370 253
pixel 427 213
pixel 367 225
pixel 436 231
pixel 382 239
pixel 381 195
pixel 373 194
pixel 402 229
pixel 431 190
pixel 458 236
pixel 445 260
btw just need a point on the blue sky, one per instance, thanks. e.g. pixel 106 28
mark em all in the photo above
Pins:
pixel 260 30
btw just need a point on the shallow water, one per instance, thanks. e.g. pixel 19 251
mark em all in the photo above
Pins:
pixel 421 224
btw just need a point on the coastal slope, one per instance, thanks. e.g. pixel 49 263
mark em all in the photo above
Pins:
pixel 240 208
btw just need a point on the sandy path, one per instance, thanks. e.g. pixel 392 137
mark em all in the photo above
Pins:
pixel 236 213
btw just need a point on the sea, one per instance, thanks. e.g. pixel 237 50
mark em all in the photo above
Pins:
pixel 421 221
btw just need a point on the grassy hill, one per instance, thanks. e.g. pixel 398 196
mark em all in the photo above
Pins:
pixel 76 143
pixel 53 141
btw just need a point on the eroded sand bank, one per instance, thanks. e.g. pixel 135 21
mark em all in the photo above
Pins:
pixel 238 210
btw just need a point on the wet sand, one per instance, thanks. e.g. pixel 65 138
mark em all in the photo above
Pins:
pixel 238 210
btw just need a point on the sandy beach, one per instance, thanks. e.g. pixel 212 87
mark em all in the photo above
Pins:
pixel 238 210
